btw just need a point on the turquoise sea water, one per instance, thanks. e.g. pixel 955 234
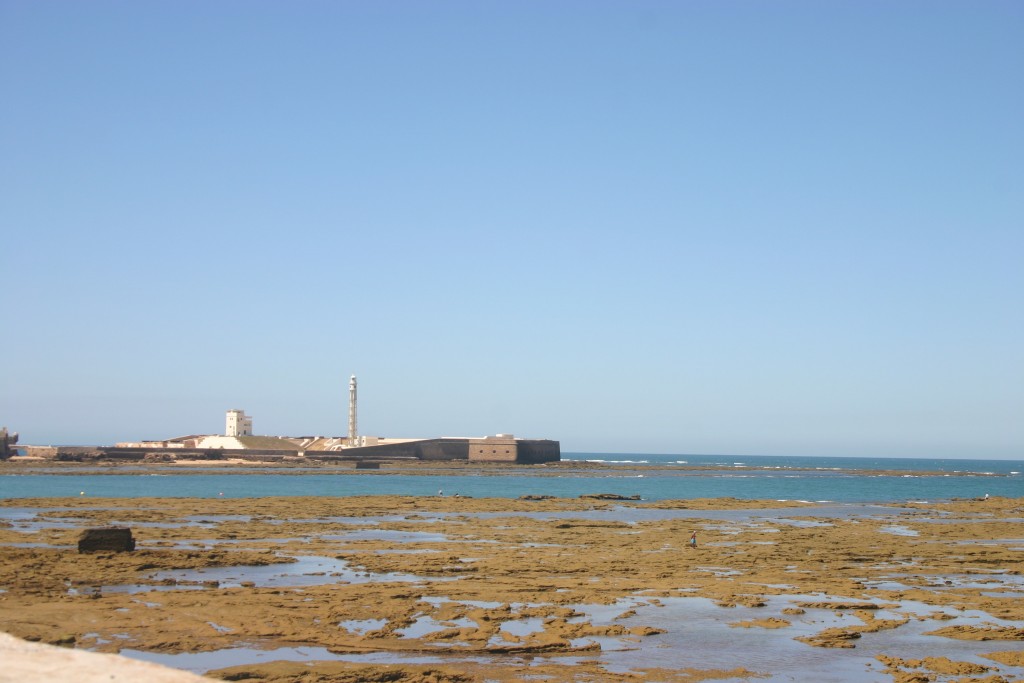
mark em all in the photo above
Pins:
pixel 775 477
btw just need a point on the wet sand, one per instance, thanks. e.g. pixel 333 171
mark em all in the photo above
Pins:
pixel 462 589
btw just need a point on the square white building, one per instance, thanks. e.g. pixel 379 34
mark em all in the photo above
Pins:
pixel 238 424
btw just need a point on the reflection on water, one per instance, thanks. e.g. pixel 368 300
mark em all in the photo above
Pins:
pixel 523 627
pixel 362 626
pixel 307 570
pixel 698 626
pixel 388 535
pixel 697 634
pixel 201 662
pixel 425 625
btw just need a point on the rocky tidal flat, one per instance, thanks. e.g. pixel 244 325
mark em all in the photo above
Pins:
pixel 433 588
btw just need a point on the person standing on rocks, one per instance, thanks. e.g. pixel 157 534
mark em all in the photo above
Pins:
pixel 693 540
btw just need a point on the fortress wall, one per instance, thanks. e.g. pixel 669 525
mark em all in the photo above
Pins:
pixel 444 449
pixel 427 449
pixel 535 451
pixel 408 449
pixel 134 454
pixel 62 452
pixel 41 451
pixel 493 450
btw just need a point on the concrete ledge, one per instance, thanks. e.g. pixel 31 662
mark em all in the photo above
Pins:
pixel 27 662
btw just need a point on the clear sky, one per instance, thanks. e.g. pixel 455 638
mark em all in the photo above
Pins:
pixel 735 227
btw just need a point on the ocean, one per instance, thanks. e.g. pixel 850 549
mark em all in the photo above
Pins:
pixel 826 479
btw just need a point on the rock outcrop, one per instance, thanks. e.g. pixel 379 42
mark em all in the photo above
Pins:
pixel 116 539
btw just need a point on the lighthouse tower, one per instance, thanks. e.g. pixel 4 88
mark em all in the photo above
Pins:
pixel 352 436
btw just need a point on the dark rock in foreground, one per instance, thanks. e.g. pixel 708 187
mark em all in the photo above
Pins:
pixel 116 539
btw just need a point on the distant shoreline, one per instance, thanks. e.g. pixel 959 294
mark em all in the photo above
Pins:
pixel 299 466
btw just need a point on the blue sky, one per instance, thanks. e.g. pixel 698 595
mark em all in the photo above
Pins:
pixel 676 227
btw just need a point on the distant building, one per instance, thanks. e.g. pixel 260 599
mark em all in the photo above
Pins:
pixel 7 442
pixel 238 424
pixel 238 441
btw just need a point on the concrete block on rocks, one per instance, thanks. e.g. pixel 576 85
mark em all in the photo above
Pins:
pixel 116 539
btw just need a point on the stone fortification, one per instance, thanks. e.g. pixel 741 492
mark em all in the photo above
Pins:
pixel 498 449
pixel 490 449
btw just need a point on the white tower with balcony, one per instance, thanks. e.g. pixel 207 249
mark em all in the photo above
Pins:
pixel 353 438
pixel 238 424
